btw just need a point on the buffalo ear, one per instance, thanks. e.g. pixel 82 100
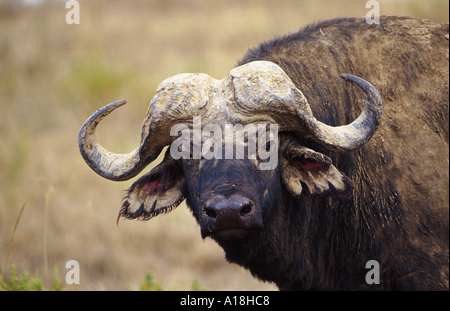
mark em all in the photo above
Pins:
pixel 157 192
pixel 315 170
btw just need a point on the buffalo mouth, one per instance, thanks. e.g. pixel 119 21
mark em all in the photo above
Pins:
pixel 232 233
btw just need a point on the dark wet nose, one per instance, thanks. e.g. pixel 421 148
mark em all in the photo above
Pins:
pixel 234 207
pixel 230 218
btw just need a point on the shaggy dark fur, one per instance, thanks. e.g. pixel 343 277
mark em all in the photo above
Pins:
pixel 399 213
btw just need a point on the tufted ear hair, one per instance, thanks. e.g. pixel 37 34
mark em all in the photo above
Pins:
pixel 157 192
pixel 315 170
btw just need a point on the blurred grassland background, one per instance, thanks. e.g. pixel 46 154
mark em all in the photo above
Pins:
pixel 54 75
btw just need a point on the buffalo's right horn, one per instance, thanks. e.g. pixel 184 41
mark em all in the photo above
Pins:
pixel 177 100
pixel 107 164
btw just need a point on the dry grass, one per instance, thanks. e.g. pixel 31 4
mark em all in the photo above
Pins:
pixel 54 75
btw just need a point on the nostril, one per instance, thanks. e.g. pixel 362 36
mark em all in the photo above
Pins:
pixel 228 210
pixel 245 209
pixel 210 213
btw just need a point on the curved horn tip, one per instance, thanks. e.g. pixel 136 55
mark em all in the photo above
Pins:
pixel 363 84
pixel 368 88
pixel 354 135
pixel 98 115
pixel 353 79
pixel 112 106
pixel 120 102
pixel 89 148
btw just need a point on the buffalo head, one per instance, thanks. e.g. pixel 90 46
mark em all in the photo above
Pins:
pixel 230 195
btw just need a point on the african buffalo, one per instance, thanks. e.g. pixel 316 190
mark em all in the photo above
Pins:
pixel 362 171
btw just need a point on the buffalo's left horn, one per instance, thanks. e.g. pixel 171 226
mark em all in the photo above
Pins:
pixel 263 88
pixel 354 135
